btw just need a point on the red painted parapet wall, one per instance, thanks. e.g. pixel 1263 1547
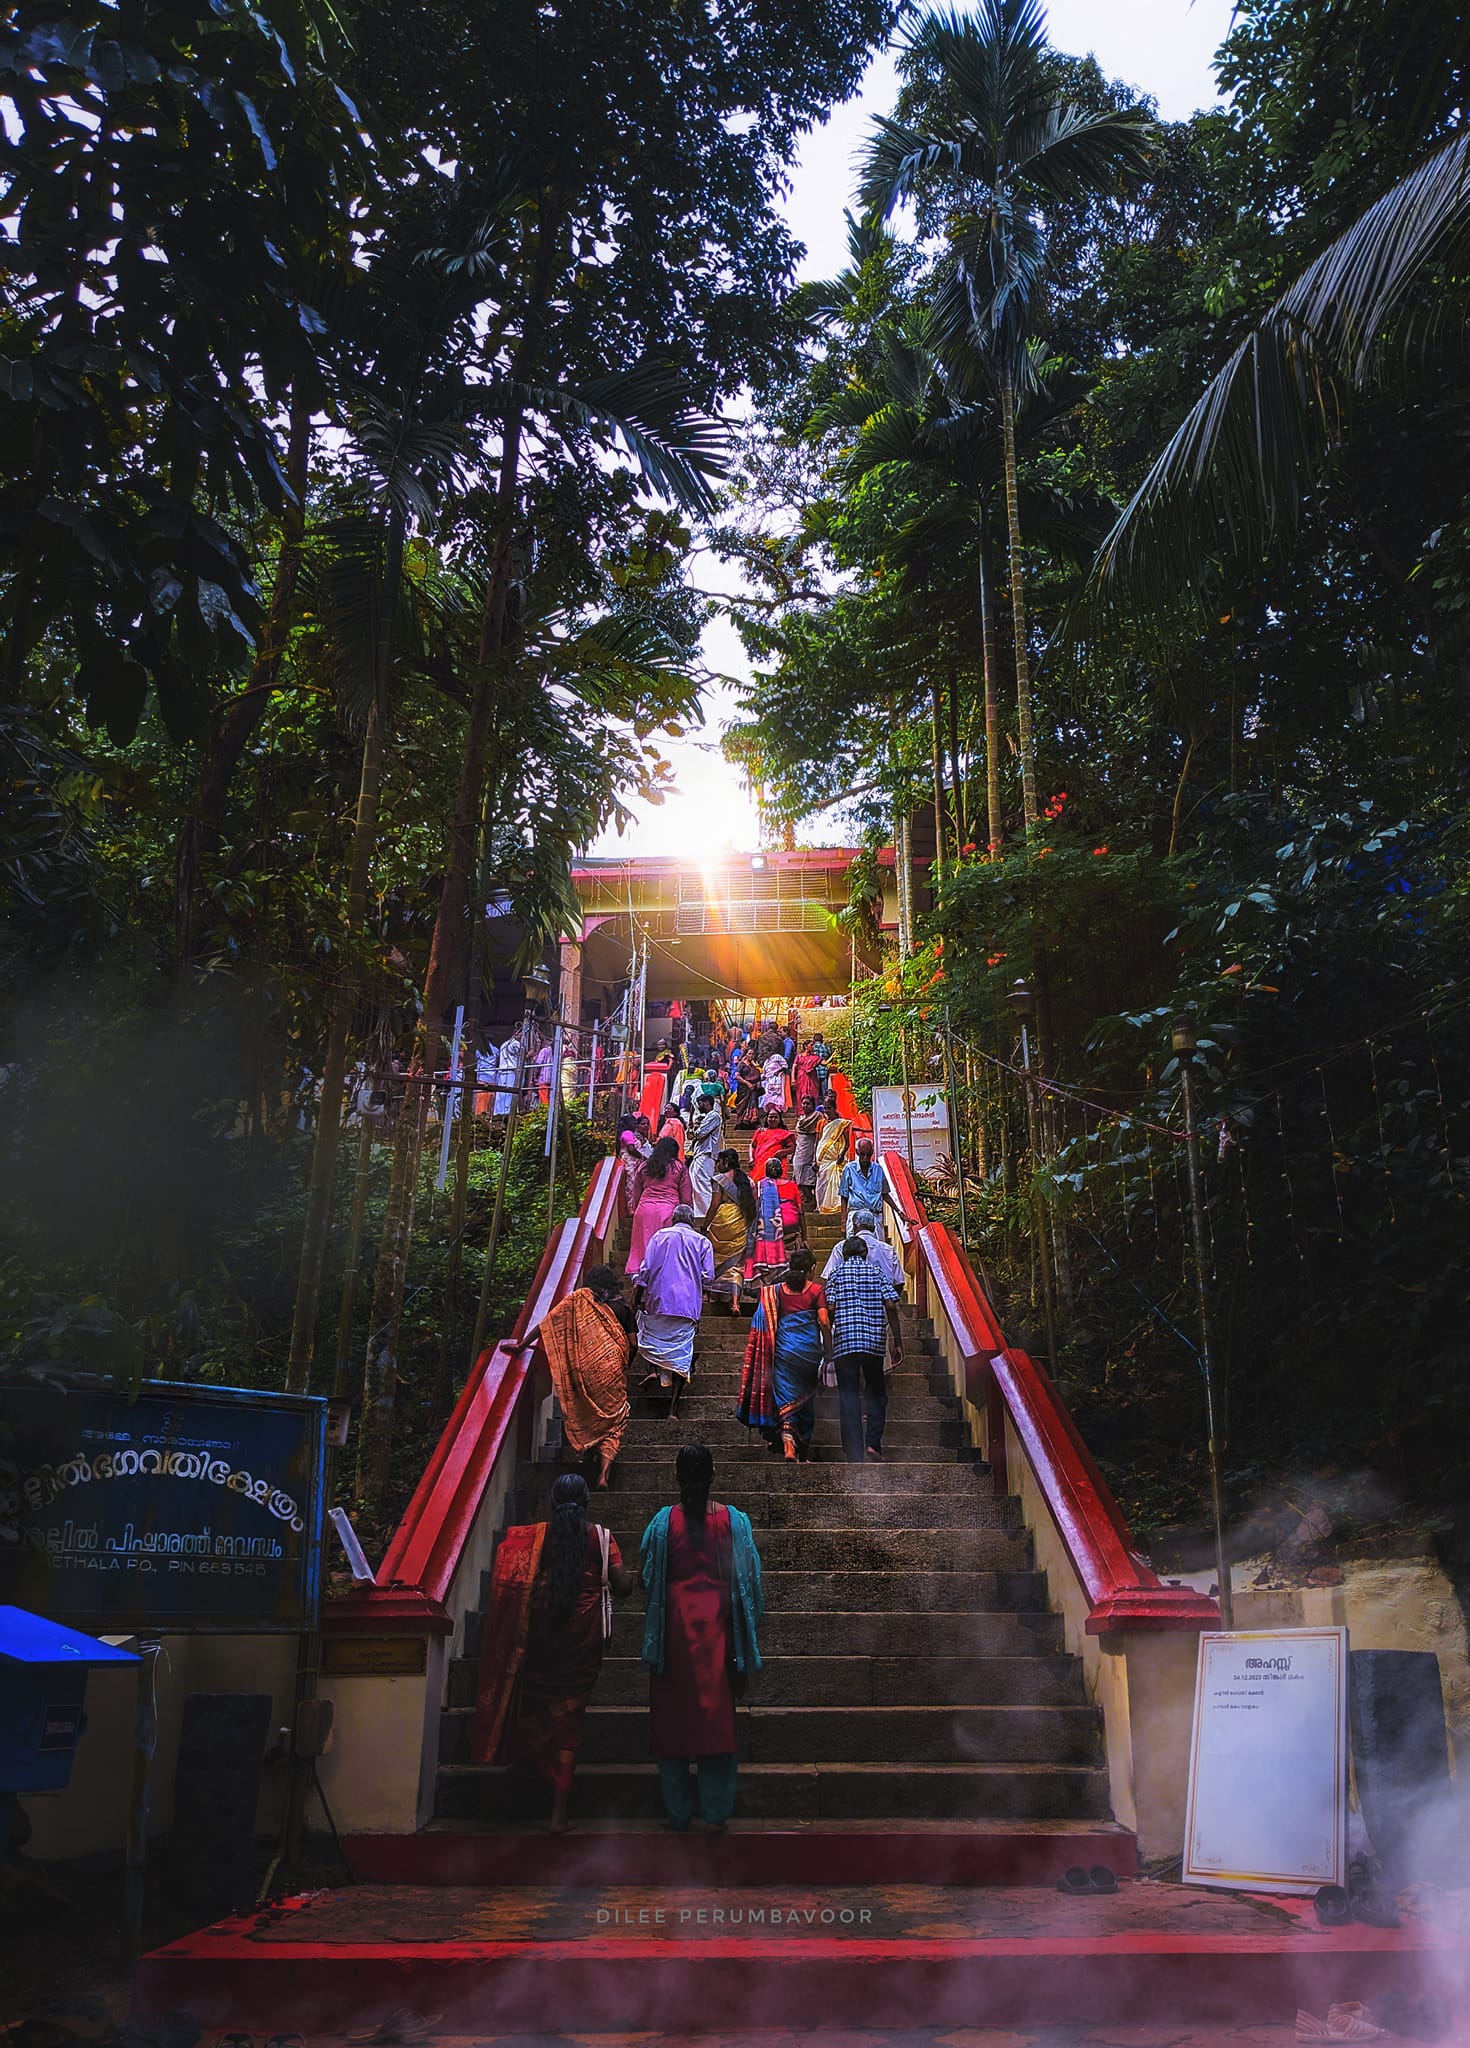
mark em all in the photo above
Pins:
pixel 1008 1385
pixel 419 1567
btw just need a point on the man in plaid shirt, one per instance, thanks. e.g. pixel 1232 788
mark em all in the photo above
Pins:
pixel 863 1304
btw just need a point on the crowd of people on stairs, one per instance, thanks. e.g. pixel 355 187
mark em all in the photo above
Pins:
pixel 705 1228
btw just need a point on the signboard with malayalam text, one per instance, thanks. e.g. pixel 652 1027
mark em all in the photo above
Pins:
pixel 188 1508
pixel 1267 1802
pixel 927 1112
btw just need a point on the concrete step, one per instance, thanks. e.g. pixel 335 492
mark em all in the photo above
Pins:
pixel 751 1852
pixel 639 1456
pixel 776 1734
pixel 761 1471
pixel 881 1542
pixel 648 1433
pixel 853 1681
pixel 703 1405
pixel 872 1550
pixel 806 1791
pixel 889 1636
pixel 628 1512
pixel 909 1591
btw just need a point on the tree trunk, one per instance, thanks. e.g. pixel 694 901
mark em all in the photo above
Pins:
pixel 1030 804
pixel 957 807
pixel 199 829
pixel 380 1377
pixel 995 827
pixel 347 1300
pixel 334 1066
pixel 936 766
pixel 903 859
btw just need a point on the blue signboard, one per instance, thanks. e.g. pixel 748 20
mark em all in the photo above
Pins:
pixel 187 1508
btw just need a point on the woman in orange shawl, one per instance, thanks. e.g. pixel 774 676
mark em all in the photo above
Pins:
pixel 550 1614
pixel 587 1348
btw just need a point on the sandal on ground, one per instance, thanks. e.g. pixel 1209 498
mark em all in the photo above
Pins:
pixel 1103 1879
pixel 1332 1906
pixel 1371 1907
pixel 1350 2020
pixel 1075 1883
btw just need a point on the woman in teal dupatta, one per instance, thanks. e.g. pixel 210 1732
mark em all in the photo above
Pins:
pixel 702 1582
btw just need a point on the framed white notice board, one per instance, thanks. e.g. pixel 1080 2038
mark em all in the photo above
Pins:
pixel 1267 1806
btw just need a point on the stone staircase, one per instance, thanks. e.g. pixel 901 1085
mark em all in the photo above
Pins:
pixel 912 1672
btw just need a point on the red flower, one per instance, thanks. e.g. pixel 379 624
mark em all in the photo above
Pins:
pixel 1097 851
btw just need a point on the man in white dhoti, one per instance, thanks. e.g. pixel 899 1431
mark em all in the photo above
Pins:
pixel 706 1137
pixel 487 1070
pixel 510 1060
pixel 773 1083
pixel 669 1294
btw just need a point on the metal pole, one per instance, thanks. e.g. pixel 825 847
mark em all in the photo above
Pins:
pixel 553 1118
pixel 512 1119
pixel 451 1099
pixel 342 1367
pixel 1184 1047
pixel 145 1736
pixel 592 1074
pixel 955 1141
pixel 906 1092
pixel 1038 1207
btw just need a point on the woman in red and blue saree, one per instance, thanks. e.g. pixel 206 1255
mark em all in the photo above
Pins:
pixel 541 1649
pixel 702 1584
pixel 789 1337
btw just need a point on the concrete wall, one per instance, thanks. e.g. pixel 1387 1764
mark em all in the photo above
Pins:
pixel 90 1817
pixel 378 1774
pixel 1141 1681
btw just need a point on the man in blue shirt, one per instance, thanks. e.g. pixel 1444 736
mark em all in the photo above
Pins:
pixel 863 1306
pixel 861 1185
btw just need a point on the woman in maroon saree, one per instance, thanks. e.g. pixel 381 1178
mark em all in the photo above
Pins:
pixel 543 1640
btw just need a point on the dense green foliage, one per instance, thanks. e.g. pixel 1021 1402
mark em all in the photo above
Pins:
pixel 361 373
pixel 1253 804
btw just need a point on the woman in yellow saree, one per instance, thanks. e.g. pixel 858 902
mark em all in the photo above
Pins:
pixel 731 1226
pixel 832 1148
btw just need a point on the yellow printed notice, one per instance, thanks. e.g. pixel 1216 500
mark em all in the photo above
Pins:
pixel 1267 1807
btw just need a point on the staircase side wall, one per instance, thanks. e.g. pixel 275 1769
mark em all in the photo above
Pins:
pixel 1141 1680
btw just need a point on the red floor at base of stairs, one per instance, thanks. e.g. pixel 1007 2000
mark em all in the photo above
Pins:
pixel 966 1855
pixel 257 1974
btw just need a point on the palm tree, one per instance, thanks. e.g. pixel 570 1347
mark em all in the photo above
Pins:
pixel 1004 142
pixel 1239 471
pixel 939 418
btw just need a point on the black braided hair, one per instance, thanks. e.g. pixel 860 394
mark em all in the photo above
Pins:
pixel 566 1546
pixel 745 1196
pixel 694 1469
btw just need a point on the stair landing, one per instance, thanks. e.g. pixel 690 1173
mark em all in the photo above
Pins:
pixel 625 1958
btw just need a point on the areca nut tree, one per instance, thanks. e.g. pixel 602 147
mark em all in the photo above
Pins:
pixel 1001 140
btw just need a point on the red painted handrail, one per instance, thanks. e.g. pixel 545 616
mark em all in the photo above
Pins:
pixel 428 1543
pixel 1122 1591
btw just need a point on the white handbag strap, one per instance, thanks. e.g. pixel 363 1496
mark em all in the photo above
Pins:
pixel 603 1540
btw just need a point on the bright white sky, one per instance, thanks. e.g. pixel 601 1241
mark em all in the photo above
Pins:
pixel 1164 48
